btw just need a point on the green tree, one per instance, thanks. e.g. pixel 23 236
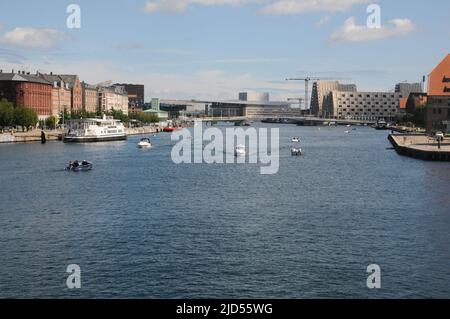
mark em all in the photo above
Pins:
pixel 25 117
pixel 145 118
pixel 119 115
pixel 419 116
pixel 6 113
pixel 51 122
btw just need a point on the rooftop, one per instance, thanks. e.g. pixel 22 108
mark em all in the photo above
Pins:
pixel 15 77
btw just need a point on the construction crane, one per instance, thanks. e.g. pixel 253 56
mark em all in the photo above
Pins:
pixel 307 80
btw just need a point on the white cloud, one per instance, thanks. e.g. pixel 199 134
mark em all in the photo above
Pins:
pixel 32 38
pixel 176 6
pixel 322 22
pixel 292 7
pixel 351 32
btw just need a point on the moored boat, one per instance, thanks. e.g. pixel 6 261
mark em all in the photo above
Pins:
pixel 95 130
pixel 170 129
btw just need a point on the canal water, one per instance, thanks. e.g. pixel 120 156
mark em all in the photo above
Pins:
pixel 140 226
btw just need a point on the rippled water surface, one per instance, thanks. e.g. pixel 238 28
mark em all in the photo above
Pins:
pixel 140 226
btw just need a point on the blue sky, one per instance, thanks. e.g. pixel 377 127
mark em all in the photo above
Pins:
pixel 215 48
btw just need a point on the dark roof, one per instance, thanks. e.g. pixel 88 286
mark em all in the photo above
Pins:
pixel 69 78
pixel 23 78
pixel 52 78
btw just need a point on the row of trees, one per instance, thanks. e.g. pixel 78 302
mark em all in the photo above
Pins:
pixel 16 116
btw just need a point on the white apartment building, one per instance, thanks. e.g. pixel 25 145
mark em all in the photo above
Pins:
pixel 113 98
pixel 364 105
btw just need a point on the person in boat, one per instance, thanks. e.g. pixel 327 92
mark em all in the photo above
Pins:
pixel 76 164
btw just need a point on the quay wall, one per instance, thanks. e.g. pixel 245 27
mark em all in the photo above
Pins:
pixel 420 147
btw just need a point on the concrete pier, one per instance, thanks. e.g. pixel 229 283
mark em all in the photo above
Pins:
pixel 421 147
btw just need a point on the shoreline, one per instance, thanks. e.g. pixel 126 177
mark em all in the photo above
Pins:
pixel 34 136
pixel 420 147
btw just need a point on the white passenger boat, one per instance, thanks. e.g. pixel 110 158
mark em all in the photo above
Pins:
pixel 240 151
pixel 95 130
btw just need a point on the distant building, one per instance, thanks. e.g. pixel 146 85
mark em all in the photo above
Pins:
pixel 365 105
pixel 259 106
pixel 438 104
pixel 113 98
pixel 320 102
pixel 61 94
pixel 155 110
pixel 26 90
pixel 136 96
pixel 438 114
pixel 254 96
pixel 439 79
pixel 407 88
pixel 74 85
pixel 416 100
pixel 89 98
pixel 177 108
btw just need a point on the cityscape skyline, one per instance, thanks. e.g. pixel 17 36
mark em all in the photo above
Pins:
pixel 247 45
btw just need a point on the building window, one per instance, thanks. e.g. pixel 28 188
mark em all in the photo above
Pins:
pixel 446 80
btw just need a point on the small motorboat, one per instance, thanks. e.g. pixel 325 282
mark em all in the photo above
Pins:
pixel 296 151
pixel 170 129
pixel 76 166
pixel 296 140
pixel 240 151
pixel 144 143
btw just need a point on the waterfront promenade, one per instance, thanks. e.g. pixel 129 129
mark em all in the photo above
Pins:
pixel 421 146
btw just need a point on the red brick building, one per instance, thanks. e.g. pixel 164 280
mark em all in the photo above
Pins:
pixel 26 90
pixel 439 79
pixel 77 91
pixel 438 106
